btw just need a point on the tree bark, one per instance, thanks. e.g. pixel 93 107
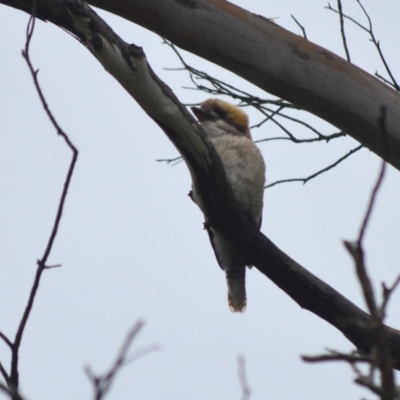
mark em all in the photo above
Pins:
pixel 276 60
pixel 128 64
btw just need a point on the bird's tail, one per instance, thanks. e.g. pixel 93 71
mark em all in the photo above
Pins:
pixel 236 289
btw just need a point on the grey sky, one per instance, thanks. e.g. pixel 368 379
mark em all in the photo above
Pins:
pixel 131 242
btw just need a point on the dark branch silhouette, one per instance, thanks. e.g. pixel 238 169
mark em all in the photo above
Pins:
pixel 305 180
pixel 221 88
pixel 218 87
pixel 10 392
pixel 244 384
pixel 373 39
pixel 102 383
pixel 128 64
pixel 300 26
pixel 12 379
pixel 342 32
pixel 380 356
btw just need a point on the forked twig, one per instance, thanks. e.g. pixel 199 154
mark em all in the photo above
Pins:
pixel 300 26
pixel 373 39
pixel 102 383
pixel 13 378
pixel 305 180
pixel 270 109
pixel 380 357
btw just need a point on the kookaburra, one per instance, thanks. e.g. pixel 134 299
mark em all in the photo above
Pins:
pixel 227 126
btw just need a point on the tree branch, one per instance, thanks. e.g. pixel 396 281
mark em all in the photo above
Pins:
pixel 13 378
pixel 300 26
pixel 244 384
pixel 373 39
pixel 380 356
pixel 342 32
pixel 128 64
pixel 305 180
pixel 339 92
pixel 102 383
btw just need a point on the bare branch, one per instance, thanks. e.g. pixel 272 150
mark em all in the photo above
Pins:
pixel 378 184
pixel 13 380
pixel 382 358
pixel 300 26
pixel 305 180
pixel 128 64
pixel 102 383
pixel 376 43
pixel 358 255
pixel 378 47
pixel 379 356
pixel 302 57
pixel 366 382
pixel 6 340
pixel 12 393
pixel 387 292
pixel 333 355
pixel 220 88
pixel 246 391
pixel 172 161
pixel 4 374
pixel 342 30
pixel 327 138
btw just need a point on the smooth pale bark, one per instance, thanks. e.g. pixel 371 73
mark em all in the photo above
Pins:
pixel 277 61
pixel 128 64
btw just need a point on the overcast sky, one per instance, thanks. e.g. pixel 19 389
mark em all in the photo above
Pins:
pixel 132 244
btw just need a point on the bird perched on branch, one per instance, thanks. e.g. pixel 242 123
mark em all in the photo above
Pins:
pixel 227 126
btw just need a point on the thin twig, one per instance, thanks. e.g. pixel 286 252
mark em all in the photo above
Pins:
pixel 305 180
pixel 375 42
pixel 387 292
pixel 219 87
pixel 300 26
pixel 378 47
pixel 41 264
pixel 382 358
pixel 366 382
pixel 378 184
pixel 356 249
pixel 4 374
pixel 327 138
pixel 336 356
pixel 384 79
pixel 342 30
pixel 6 340
pixel 172 161
pixel 102 383
pixel 246 391
pixel 270 109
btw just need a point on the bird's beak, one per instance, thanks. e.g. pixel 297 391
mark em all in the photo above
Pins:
pixel 202 115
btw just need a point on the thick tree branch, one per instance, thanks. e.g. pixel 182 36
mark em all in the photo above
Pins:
pixel 380 358
pixel 267 55
pixel 277 61
pixel 128 64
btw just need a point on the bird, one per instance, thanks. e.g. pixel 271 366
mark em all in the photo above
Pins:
pixel 227 127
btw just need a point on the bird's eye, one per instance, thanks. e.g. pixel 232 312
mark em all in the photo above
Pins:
pixel 221 113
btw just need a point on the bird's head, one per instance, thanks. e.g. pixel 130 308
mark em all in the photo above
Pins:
pixel 220 118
